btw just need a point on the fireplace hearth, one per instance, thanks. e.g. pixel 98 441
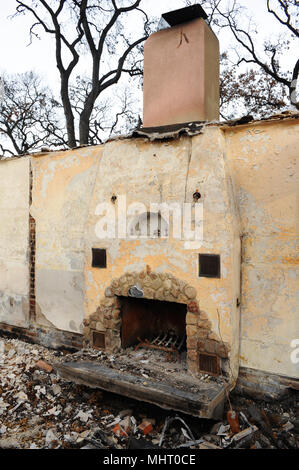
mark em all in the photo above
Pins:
pixel 167 315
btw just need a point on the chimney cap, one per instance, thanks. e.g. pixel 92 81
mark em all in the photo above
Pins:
pixel 183 15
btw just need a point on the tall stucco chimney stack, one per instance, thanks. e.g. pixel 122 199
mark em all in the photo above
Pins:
pixel 181 71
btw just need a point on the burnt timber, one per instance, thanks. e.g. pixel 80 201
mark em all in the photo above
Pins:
pixel 206 404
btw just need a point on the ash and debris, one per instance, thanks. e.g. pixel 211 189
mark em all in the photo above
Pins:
pixel 149 364
pixel 38 410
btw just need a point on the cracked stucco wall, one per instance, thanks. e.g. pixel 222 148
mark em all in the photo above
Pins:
pixel 62 187
pixel 263 160
pixel 247 177
pixel 169 172
pixel 14 235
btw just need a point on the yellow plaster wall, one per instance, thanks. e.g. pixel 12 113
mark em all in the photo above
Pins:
pixel 171 172
pixel 248 181
pixel 62 187
pixel 263 160
pixel 14 233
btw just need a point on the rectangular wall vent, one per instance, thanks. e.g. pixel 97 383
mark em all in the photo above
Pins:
pixel 99 258
pixel 209 363
pixel 98 340
pixel 209 266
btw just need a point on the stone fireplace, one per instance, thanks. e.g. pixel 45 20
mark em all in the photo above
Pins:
pixel 166 306
pixel 120 290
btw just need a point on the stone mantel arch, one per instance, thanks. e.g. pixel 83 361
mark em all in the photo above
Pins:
pixel 155 286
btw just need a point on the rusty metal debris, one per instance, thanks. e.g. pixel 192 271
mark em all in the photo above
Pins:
pixel 171 420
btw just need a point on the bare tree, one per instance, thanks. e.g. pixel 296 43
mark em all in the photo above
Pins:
pixel 102 31
pixel 250 92
pixel 98 26
pixel 111 115
pixel 28 115
pixel 269 61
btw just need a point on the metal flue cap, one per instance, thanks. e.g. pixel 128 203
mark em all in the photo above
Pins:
pixel 183 15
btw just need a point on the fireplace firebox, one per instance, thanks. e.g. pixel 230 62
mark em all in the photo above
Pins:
pixel 154 324
pixel 164 314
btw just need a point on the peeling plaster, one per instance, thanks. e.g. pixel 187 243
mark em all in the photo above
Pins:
pixel 253 163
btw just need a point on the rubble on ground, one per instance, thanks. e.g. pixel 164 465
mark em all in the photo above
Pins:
pixel 39 410
pixel 148 364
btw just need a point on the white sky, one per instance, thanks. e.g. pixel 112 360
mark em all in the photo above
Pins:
pixel 17 57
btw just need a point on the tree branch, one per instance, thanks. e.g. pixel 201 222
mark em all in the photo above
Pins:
pixel 287 23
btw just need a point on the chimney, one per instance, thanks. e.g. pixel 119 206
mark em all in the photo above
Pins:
pixel 181 71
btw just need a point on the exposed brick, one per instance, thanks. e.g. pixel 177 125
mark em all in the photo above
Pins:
pixel 32 240
pixel 43 336
pixel 120 431
pixel 44 366
pixel 146 427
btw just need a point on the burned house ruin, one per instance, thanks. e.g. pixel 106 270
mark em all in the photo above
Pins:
pixel 223 305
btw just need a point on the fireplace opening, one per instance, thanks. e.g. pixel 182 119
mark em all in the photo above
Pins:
pixel 154 324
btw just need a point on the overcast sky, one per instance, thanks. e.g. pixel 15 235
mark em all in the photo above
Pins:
pixel 16 56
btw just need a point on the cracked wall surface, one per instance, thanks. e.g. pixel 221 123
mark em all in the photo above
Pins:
pixel 263 160
pixel 169 172
pixel 62 187
pixel 247 178
pixel 14 242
